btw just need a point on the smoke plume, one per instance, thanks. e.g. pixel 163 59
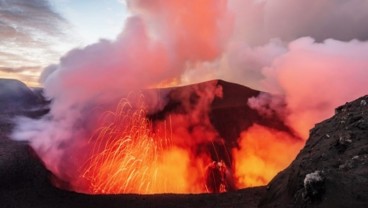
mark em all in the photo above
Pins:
pixel 159 40
pixel 315 60
pixel 317 77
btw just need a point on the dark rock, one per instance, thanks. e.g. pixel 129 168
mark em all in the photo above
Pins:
pixel 229 115
pixel 338 165
pixel 314 185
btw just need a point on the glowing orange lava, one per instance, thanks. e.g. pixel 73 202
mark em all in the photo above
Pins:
pixel 131 154
pixel 263 153
pixel 130 157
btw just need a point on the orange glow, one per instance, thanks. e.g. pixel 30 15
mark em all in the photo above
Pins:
pixel 263 153
pixel 27 77
pixel 167 84
pixel 132 154
pixel 130 157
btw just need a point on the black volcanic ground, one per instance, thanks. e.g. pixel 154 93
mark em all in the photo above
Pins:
pixel 337 148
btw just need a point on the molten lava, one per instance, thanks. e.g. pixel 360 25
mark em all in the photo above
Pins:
pixel 129 156
pixel 132 154
pixel 263 153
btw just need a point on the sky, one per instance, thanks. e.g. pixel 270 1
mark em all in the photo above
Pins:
pixel 36 33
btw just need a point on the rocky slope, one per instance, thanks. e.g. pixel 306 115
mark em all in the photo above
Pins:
pixel 332 169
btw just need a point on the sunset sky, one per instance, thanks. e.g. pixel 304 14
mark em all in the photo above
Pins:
pixel 36 33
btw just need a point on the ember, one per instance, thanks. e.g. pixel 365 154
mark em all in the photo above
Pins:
pixel 132 154
pixel 129 156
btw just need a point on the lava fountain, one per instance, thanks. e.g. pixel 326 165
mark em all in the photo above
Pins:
pixel 133 154
pixel 129 156
pixel 262 154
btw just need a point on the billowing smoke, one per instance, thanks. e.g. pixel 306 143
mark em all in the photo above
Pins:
pixel 317 77
pixel 315 60
pixel 310 54
pixel 159 40
pixel 314 78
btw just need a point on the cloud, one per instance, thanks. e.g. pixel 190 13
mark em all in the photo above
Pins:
pixel 313 77
pixel 21 16
pixel 264 28
pixel 21 69
pixel 258 21
pixel 30 35
pixel 310 52
pixel 317 77
pixel 27 74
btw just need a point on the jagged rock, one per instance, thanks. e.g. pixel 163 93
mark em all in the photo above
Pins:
pixel 336 157
pixel 314 185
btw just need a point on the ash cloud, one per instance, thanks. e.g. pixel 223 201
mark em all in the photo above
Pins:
pixel 158 41
pixel 313 78
pixel 309 52
pixel 263 30
pixel 316 77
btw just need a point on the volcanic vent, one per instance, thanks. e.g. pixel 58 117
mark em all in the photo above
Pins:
pixel 205 138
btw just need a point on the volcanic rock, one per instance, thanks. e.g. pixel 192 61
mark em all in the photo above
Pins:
pixel 332 169
pixel 229 114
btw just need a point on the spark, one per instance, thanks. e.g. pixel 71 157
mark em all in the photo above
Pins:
pixel 127 153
